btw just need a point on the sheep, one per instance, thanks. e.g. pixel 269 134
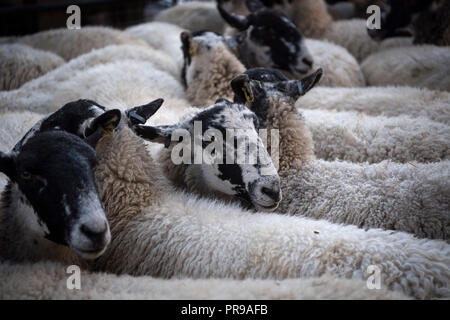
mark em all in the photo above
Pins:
pixel 47 280
pixel 413 198
pixel 162 36
pixel 218 175
pixel 193 16
pixel 161 232
pixel 356 137
pixel 209 68
pixel 117 83
pixel 71 43
pixel 423 66
pixel 386 101
pixel 341 67
pixel 42 212
pixel 314 21
pixel 20 63
pixel 46 215
pixel 426 21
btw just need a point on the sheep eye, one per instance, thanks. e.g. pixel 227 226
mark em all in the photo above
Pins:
pixel 26 175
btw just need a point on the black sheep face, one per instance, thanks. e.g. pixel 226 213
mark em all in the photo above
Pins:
pixel 52 190
pixel 268 38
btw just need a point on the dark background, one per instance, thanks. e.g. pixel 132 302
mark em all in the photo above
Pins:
pixel 19 17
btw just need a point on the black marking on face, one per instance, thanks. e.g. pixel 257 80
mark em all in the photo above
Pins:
pixel 272 28
pixel 54 169
pixel 72 118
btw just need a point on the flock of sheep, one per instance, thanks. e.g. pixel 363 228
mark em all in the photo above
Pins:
pixel 364 162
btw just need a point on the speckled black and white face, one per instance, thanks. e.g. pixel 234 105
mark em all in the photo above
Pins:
pixel 228 139
pixel 259 87
pixel 53 193
pixel 268 38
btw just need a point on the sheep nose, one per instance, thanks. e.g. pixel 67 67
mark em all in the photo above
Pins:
pixel 273 192
pixel 308 61
pixel 96 233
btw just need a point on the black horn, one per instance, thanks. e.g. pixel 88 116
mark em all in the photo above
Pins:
pixel 239 22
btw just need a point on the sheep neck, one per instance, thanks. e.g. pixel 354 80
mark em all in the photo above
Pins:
pixel 127 178
pixel 20 237
pixel 296 145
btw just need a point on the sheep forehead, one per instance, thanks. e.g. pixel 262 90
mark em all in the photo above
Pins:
pixel 208 39
pixel 235 118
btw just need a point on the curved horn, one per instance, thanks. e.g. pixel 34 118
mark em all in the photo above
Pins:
pixel 239 22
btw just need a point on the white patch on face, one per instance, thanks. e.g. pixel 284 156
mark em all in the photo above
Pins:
pixel 300 66
pixel 93 216
pixel 260 54
pixel 210 175
pixel 25 213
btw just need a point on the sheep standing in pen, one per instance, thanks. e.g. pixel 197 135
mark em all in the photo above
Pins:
pixel 210 64
pixel 47 280
pixel 314 21
pixel 69 43
pixel 357 138
pixel 174 234
pixel 271 28
pixel 413 198
pixel 20 64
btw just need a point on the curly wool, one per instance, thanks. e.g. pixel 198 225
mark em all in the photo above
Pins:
pixel 416 66
pixel 161 36
pixel 340 69
pixel 168 234
pixel 193 16
pixel 356 137
pixel 116 84
pixel 46 280
pixel 413 198
pixel 69 43
pixel 384 101
pixel 20 64
pixel 212 76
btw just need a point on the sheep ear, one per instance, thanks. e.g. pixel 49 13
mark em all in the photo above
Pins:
pixel 7 164
pixel 310 81
pixel 297 88
pixel 239 22
pixel 159 134
pixel 188 45
pixel 254 5
pixel 140 115
pixel 107 121
pixel 243 92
